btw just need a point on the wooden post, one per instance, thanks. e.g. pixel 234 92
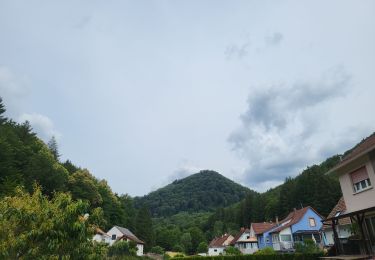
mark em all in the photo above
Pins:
pixel 336 239
pixel 360 223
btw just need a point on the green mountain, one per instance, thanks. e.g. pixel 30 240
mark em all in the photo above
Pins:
pixel 203 191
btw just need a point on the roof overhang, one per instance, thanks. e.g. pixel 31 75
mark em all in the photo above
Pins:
pixel 350 214
pixel 346 162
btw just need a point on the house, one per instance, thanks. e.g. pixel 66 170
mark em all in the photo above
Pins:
pixel 298 226
pixel 101 237
pixel 356 173
pixel 244 242
pixel 119 233
pixel 261 232
pixel 343 227
pixel 218 244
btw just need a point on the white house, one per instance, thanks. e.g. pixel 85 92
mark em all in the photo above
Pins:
pixel 343 227
pixel 246 243
pixel 101 237
pixel 218 245
pixel 119 233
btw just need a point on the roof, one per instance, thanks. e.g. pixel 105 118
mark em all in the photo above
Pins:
pixel 260 228
pixel 238 236
pixel 101 232
pixel 365 146
pixel 340 208
pixel 129 235
pixel 293 218
pixel 219 241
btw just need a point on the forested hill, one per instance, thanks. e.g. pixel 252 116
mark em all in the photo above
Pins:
pixel 203 191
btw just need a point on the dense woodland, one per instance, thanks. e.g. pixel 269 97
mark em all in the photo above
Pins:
pixel 183 216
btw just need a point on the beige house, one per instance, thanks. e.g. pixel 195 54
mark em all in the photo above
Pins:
pixel 356 173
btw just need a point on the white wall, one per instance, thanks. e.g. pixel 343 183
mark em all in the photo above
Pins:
pixel 215 251
pixel 117 232
pixel 343 232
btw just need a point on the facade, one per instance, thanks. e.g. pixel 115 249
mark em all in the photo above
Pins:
pixel 101 237
pixel 356 173
pixel 343 228
pixel 244 242
pixel 119 233
pixel 261 232
pixel 218 245
pixel 298 226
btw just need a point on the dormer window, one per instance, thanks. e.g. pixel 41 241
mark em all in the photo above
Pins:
pixel 360 179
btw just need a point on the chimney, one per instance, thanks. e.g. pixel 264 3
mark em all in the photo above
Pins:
pixel 277 220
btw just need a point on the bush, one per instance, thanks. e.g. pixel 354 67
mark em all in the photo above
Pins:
pixel 231 250
pixel 265 251
pixel 202 247
pixel 122 248
pixel 178 248
pixel 273 256
pixel 307 247
pixel 157 250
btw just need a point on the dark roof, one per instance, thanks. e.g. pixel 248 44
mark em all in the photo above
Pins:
pixel 341 209
pixel 101 232
pixel 260 228
pixel 293 218
pixel 129 235
pixel 219 241
pixel 365 146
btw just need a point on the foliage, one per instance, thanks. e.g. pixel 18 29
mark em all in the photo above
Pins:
pixel 307 247
pixel 143 227
pixel 35 227
pixel 265 251
pixel 122 248
pixel 186 242
pixel 202 247
pixel 157 250
pixel 231 250
pixel 53 147
pixel 258 257
pixel 198 192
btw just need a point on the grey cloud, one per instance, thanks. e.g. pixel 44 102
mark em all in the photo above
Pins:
pixel 41 124
pixel 237 51
pixel 83 22
pixel 278 125
pixel 274 39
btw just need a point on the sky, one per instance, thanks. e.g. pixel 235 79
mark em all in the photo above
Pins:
pixel 145 92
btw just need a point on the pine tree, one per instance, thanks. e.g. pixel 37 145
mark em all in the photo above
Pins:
pixel 2 111
pixel 143 227
pixel 53 147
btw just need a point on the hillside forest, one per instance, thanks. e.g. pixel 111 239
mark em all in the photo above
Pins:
pixel 182 216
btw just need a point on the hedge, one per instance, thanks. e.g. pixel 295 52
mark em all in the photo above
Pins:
pixel 295 256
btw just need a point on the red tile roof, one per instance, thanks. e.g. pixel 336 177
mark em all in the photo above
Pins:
pixel 365 146
pixel 293 218
pixel 260 228
pixel 219 241
pixel 340 207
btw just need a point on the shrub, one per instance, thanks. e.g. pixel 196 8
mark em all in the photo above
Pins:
pixel 202 247
pixel 122 248
pixel 231 250
pixel 307 247
pixel 265 251
pixel 157 250
pixel 178 248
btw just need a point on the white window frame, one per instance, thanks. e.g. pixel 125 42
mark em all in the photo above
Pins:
pixel 362 185
pixel 312 222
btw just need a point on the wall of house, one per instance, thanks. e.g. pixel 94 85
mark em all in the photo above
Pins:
pixel 362 200
pixel 304 223
pixel 139 250
pixel 343 232
pixel 114 231
pixel 101 238
pixel 215 251
pixel 247 248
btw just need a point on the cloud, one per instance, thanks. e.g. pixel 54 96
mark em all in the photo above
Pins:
pixel 237 51
pixel 41 124
pixel 185 169
pixel 274 39
pixel 12 89
pixel 83 22
pixel 280 131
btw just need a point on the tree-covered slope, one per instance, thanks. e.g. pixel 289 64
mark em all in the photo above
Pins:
pixel 203 191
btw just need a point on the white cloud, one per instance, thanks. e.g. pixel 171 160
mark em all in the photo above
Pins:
pixel 41 124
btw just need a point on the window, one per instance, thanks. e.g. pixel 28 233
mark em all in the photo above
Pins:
pixel 247 237
pixel 360 179
pixel 312 222
pixel 286 238
pixel 114 237
pixel 215 250
pixel 267 239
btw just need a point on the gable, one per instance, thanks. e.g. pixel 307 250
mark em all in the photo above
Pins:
pixel 311 220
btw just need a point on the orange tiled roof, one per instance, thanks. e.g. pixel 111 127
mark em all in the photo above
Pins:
pixel 340 207
pixel 260 228
pixel 219 241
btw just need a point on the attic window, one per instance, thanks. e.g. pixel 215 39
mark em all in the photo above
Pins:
pixel 114 237
pixel 338 213
pixel 312 222
pixel 360 179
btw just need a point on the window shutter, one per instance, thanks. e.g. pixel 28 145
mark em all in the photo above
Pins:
pixel 359 175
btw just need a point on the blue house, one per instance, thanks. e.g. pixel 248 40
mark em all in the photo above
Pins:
pixel 298 226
